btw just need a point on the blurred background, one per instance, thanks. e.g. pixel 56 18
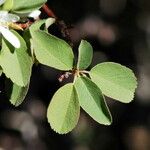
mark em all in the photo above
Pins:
pixel 119 31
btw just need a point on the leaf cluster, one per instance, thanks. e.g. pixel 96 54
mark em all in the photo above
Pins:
pixel 87 91
pixel 88 87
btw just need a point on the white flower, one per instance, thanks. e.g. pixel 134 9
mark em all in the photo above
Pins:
pixel 6 19
pixel 35 14
pixel 2 2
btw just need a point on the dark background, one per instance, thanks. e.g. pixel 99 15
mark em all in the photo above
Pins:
pixel 119 31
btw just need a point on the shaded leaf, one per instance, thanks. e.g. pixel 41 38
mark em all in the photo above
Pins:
pixel 15 93
pixel 85 55
pixel 63 111
pixel 52 51
pixel 16 63
pixel 92 100
pixel 115 81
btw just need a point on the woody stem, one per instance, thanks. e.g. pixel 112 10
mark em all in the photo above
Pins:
pixel 48 11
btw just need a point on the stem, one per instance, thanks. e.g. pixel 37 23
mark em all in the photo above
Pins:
pixel 61 24
pixel 76 74
pixel 48 11
pixel 84 71
pixel 75 77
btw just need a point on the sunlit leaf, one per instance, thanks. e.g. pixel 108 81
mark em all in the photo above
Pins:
pixel 63 111
pixel 36 25
pixel 115 81
pixel 52 51
pixel 16 63
pixel 92 100
pixel 40 23
pixel 23 6
pixel 85 55
pixel 8 5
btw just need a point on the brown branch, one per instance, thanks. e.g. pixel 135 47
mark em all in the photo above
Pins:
pixel 48 11
pixel 61 24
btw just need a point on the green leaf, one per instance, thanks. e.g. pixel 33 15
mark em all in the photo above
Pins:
pixel 15 93
pixel 23 6
pixel 38 24
pixel 8 5
pixel 63 111
pixel 52 51
pixel 16 63
pixel 92 100
pixel 85 55
pixel 115 81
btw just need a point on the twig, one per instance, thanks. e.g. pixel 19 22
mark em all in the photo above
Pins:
pixel 48 11
pixel 61 24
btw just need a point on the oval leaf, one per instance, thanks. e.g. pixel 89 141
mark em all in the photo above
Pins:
pixel 15 93
pixel 36 25
pixel 52 51
pixel 44 24
pixel 85 55
pixel 63 111
pixel 92 100
pixel 8 5
pixel 115 81
pixel 23 6
pixel 16 63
